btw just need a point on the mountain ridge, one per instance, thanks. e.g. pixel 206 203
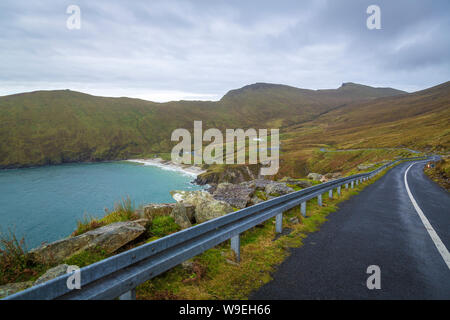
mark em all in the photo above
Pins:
pixel 52 127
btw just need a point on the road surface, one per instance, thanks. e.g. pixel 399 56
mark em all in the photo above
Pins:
pixel 381 226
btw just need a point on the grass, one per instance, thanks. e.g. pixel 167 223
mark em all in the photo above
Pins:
pixel 124 210
pixel 16 265
pixel 440 173
pixel 162 226
pixel 87 257
pixel 261 251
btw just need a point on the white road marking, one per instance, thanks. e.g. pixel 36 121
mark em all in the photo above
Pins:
pixel 437 241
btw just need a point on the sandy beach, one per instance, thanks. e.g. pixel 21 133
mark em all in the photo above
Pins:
pixel 193 171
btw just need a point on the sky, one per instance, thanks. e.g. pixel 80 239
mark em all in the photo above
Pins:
pixel 200 49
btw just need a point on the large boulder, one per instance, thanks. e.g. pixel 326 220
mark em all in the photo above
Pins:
pixel 314 176
pixel 206 207
pixel 174 210
pixel 180 216
pixel 237 195
pixel 109 238
pixel 153 210
pixel 11 288
pixel 278 189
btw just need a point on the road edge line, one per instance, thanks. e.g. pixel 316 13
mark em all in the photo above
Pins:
pixel 434 236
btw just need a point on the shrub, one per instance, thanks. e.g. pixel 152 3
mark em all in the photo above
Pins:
pixel 16 263
pixel 123 211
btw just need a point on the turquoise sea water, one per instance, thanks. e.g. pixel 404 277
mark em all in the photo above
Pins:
pixel 43 204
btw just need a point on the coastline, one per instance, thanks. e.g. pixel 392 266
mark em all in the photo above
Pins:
pixel 189 170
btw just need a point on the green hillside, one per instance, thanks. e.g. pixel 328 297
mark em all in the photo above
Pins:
pixel 52 127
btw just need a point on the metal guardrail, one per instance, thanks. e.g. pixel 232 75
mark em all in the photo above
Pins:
pixel 119 275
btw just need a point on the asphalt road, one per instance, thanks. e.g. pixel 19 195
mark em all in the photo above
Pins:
pixel 380 226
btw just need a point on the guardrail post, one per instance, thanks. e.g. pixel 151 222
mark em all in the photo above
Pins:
pixel 357 181
pixel 236 247
pixel 339 191
pixel 346 186
pixel 319 199
pixel 330 194
pixel 352 184
pixel 279 223
pixel 303 208
pixel 130 295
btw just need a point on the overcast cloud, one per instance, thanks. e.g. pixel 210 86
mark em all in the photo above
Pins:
pixel 200 49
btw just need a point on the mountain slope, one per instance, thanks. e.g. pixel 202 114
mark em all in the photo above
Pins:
pixel 51 127
pixel 417 120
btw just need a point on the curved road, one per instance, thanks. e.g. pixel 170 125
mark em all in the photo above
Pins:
pixel 380 226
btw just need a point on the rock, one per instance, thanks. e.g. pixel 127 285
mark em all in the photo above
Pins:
pixel 109 238
pixel 188 266
pixel 294 220
pixel 255 200
pixel 210 210
pixel 260 184
pixel 157 209
pixel 206 207
pixel 314 176
pixel 190 212
pixel 237 195
pixel 52 274
pixel 11 288
pixel 231 174
pixel 295 182
pixel 334 175
pixel 232 262
pixel 278 189
pixel 179 215
pixel 182 216
pixel 365 166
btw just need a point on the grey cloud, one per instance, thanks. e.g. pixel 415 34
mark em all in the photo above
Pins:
pixel 201 49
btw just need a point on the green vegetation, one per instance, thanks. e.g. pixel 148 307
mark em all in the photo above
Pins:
pixel 87 257
pixel 440 173
pixel 214 275
pixel 124 210
pixel 52 127
pixel 16 265
pixel 162 226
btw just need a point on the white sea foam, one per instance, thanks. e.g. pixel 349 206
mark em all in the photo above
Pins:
pixel 192 171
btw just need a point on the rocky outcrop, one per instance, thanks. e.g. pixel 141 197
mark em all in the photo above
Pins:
pixel 231 174
pixel 295 182
pixel 236 195
pixel 365 166
pixel 258 184
pixel 278 189
pixel 330 176
pixel 110 238
pixel 11 288
pixel 206 207
pixel 314 176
